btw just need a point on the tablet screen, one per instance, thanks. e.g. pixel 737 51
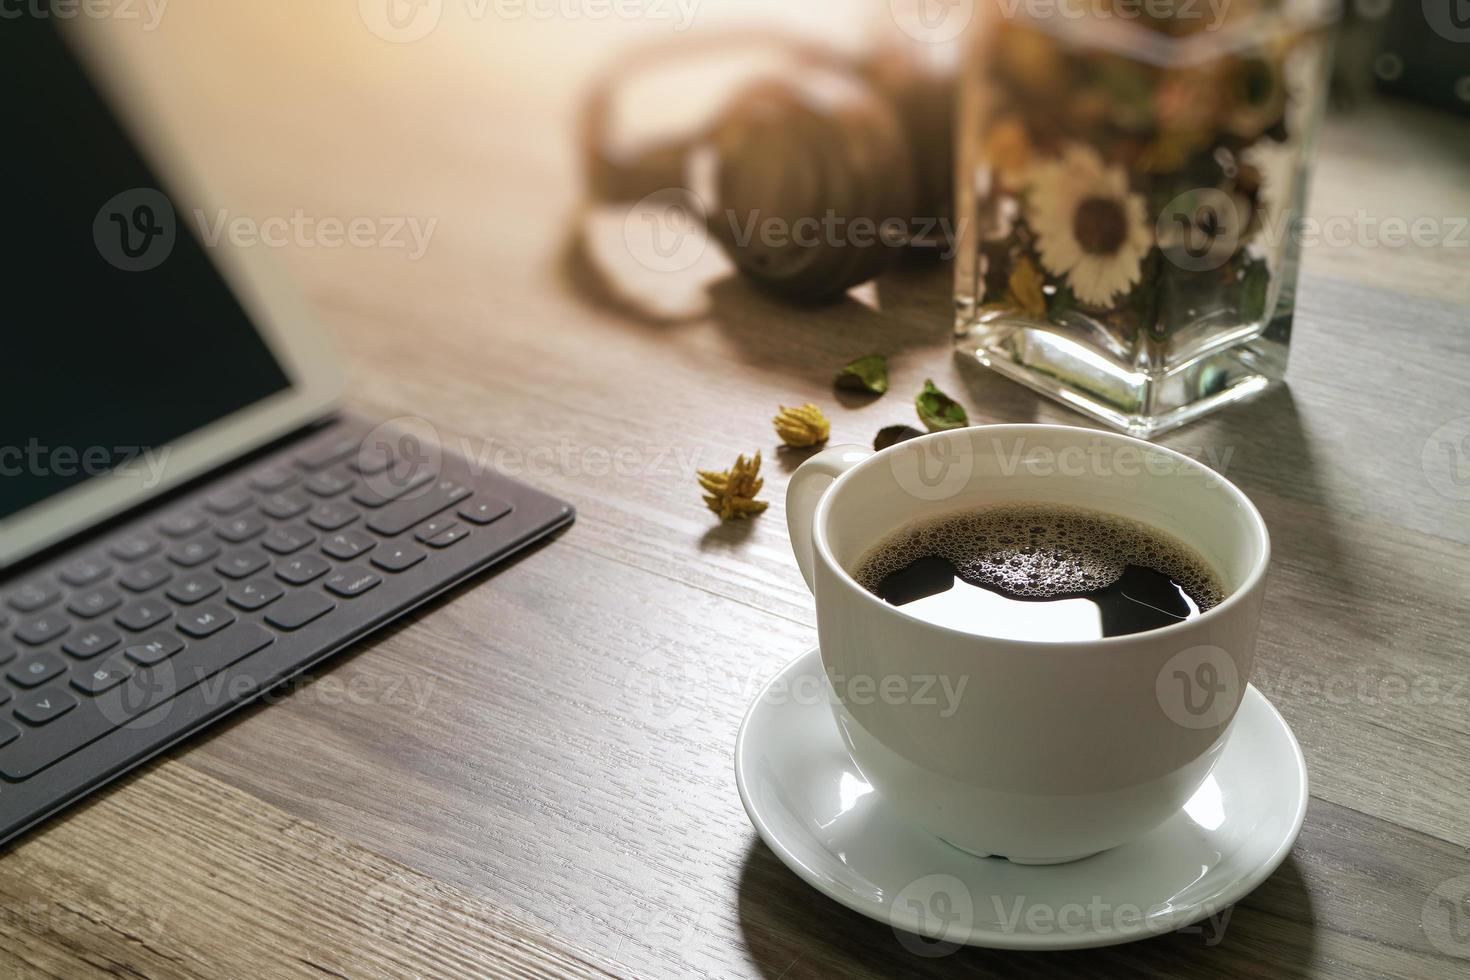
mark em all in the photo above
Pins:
pixel 120 334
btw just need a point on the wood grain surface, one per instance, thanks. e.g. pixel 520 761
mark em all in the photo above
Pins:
pixel 534 775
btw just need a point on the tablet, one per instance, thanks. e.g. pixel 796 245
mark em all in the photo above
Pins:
pixel 135 355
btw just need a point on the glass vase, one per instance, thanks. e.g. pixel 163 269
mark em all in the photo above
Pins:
pixel 1131 178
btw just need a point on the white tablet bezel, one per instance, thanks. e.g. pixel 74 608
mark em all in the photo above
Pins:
pixel 276 309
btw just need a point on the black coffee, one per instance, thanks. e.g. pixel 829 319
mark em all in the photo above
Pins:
pixel 1040 572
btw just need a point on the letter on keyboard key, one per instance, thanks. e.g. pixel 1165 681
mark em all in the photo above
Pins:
pixel 43 706
pixel 98 716
pixel 41 629
pixel 154 648
pixel 205 620
pixel 298 609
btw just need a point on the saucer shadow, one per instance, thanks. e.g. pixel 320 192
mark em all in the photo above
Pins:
pixel 791 931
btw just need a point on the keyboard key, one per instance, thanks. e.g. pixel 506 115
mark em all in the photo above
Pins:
pixel 8 653
pixel 194 588
pixel 331 515
pixel 181 525
pixel 141 578
pixel 238 564
pixel 229 501
pixel 346 545
pixel 288 539
pixel 284 506
pixel 91 641
pixel 300 570
pixel 32 596
pixel 329 483
pixel 272 479
pixel 484 510
pixel 397 557
pixel 399 517
pixel 371 460
pixel 84 571
pixel 205 621
pixel 192 553
pixel 43 706
pixel 298 609
pixel 97 716
pixel 352 582
pixel 95 602
pixel 446 538
pixel 386 487
pixel 325 454
pixel 103 677
pixel 133 548
pixel 41 629
pixel 254 594
pixel 433 526
pixel 242 528
pixel 143 614
pixel 153 649
pixel 38 668
pixel 8 733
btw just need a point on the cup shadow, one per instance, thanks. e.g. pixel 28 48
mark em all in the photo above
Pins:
pixel 790 931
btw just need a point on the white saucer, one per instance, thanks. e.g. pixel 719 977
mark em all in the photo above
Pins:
pixel 812 807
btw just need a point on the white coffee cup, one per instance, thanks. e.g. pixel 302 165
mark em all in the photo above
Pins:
pixel 1037 751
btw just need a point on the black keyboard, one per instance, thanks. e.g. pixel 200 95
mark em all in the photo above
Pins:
pixel 126 643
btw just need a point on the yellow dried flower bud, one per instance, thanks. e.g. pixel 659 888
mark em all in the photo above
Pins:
pixel 801 427
pixel 731 493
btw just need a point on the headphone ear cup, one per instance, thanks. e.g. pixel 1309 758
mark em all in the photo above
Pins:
pixel 813 186
pixel 619 165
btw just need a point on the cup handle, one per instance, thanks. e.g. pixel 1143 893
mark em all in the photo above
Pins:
pixel 805 490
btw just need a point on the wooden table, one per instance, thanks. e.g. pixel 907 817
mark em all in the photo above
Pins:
pixel 500 785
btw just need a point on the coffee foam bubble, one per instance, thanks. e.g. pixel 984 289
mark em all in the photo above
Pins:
pixel 1041 551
